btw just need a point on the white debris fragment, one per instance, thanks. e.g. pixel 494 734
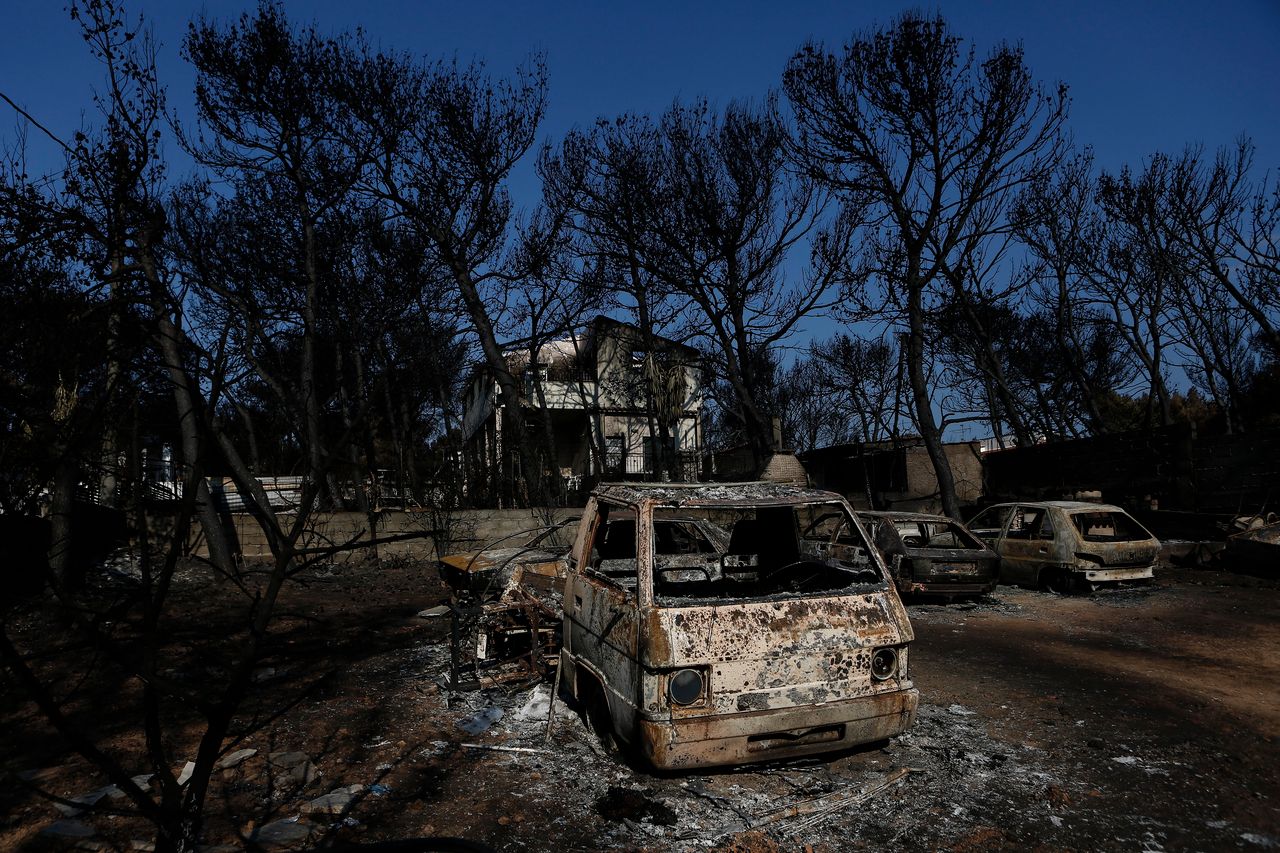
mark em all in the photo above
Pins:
pixel 960 711
pixel 335 802
pixel 82 803
pixel 142 780
pixel 235 759
pixel 293 768
pixel 537 705
pixel 1126 759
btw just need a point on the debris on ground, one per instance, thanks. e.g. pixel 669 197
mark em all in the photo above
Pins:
pixel 1132 719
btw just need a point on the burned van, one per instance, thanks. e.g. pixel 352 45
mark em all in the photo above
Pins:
pixel 719 624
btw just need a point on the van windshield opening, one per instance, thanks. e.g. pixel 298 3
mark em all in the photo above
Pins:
pixel 743 553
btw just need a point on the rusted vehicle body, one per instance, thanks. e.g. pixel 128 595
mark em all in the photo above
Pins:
pixel 932 554
pixel 1067 546
pixel 493 572
pixel 780 637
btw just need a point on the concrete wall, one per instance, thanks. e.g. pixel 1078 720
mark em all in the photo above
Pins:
pixel 921 492
pixel 899 478
pixel 468 530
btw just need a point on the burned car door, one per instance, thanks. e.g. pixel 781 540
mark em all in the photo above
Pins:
pixel 1028 544
pixel 601 609
pixel 885 535
pixel 989 524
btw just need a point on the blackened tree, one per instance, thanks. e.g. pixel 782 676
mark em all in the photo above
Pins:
pixel 937 142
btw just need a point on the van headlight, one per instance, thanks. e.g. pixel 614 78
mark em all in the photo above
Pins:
pixel 685 686
pixel 884 664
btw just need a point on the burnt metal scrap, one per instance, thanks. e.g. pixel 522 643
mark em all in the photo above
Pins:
pixel 506 611
pixel 1256 544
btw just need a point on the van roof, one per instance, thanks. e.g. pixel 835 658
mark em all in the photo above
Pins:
pixel 711 494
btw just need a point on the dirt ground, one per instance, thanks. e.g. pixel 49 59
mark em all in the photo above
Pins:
pixel 1137 719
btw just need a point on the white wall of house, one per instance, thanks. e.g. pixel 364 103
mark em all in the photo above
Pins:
pixel 617 394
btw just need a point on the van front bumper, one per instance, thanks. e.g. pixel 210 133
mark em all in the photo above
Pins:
pixel 708 741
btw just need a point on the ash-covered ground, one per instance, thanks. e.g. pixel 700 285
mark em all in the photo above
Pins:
pixel 1134 719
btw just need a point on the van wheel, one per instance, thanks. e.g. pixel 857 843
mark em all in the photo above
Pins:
pixel 595 712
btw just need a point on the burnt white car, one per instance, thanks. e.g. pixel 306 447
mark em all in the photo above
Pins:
pixel 1067 546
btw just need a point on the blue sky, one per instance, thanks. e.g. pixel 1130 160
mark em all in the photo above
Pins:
pixel 1143 75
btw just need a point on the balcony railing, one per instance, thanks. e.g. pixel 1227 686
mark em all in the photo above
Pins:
pixel 644 466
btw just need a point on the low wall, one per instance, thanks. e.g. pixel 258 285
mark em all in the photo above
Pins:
pixel 463 530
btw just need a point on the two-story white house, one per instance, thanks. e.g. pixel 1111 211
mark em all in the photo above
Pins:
pixel 608 399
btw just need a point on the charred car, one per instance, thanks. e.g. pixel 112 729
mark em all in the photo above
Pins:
pixel 1067 546
pixel 719 624
pixel 932 554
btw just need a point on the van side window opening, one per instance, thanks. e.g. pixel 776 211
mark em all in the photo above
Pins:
pixel 613 547
pixel 680 537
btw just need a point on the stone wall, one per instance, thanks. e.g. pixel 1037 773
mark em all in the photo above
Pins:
pixel 414 532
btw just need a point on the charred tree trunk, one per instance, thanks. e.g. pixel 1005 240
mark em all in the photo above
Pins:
pixel 929 432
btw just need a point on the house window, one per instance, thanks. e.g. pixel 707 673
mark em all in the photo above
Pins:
pixel 535 377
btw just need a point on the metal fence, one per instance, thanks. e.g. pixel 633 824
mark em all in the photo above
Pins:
pixel 644 466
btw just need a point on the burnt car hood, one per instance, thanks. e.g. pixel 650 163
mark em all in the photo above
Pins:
pixel 490 573
pixel 782 653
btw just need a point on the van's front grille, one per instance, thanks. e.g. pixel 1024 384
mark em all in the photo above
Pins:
pixel 795 737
